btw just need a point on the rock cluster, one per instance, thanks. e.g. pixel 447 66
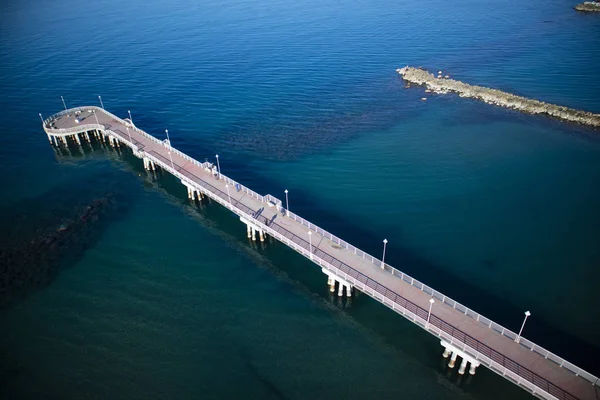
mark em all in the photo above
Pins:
pixel 497 97
pixel 588 6
pixel 27 265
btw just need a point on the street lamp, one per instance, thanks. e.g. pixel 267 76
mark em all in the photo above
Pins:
pixel 431 301
pixel 518 338
pixel 130 119
pixel 383 258
pixel 40 114
pixel 228 195
pixel 310 244
pixel 218 166
pixel 63 101
pixel 102 104
pixel 287 204
pixel 168 139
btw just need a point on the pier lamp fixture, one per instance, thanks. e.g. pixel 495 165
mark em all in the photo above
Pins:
pixel 228 195
pixel 101 104
pixel 431 301
pixel 518 338
pixel 287 204
pixel 130 119
pixel 385 241
pixel 63 101
pixel 218 166
pixel 310 244
pixel 168 138
pixel 40 114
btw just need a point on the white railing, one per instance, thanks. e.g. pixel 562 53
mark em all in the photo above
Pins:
pixel 334 239
pixel 448 301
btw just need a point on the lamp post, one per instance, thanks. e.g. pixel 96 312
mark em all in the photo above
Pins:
pixel 287 204
pixel 130 119
pixel 228 195
pixel 383 258
pixel 218 166
pixel 40 114
pixel 527 315
pixel 310 244
pixel 168 138
pixel 431 301
pixel 101 104
pixel 63 101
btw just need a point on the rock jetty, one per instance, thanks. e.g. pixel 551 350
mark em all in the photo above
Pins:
pixel 444 85
pixel 588 6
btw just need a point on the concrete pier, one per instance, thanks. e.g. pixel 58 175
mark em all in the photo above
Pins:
pixel 463 332
pixel 444 85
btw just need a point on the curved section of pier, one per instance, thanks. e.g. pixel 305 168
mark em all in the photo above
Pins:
pixel 462 332
pixel 443 84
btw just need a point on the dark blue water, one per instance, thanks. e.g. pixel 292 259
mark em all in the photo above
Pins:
pixel 494 208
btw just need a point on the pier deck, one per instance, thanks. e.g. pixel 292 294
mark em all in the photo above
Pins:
pixel 526 364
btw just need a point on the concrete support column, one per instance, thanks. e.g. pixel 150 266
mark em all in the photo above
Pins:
pixel 452 360
pixel 463 366
pixel 332 285
pixel 340 289
pixel 49 138
pixel 249 231
pixel 145 163
pixel 349 291
pixel 189 192
pixel 253 234
pixel 87 137
pixel 261 235
pixel 447 352
pixel 472 369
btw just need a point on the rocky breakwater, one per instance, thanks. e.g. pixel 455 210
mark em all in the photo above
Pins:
pixel 497 97
pixel 588 6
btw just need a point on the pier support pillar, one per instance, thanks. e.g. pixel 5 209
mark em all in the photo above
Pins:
pixel 261 235
pixel 452 360
pixel 463 366
pixel 348 291
pixel 446 353
pixel 249 231
pixel 189 192
pixel 332 286
pixel 253 234
pixel 77 139
pixel 472 369
pixel 340 290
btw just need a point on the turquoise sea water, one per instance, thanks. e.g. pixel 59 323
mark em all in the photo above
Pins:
pixel 494 208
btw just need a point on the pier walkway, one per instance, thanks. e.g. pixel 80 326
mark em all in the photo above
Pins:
pixel 462 331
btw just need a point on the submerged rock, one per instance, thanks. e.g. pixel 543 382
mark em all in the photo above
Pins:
pixel 27 265
pixel 497 97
